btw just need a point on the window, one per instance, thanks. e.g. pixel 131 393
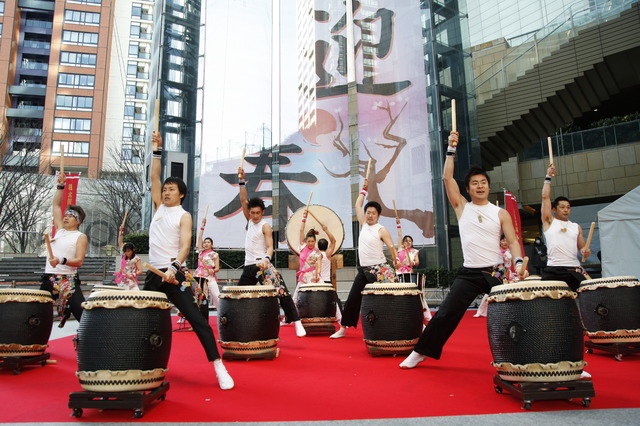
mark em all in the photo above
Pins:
pixel 136 10
pixel 75 103
pixel 80 38
pixel 129 111
pixel 131 154
pixel 71 148
pixel 71 125
pixel 91 2
pixel 81 17
pixel 78 59
pixel 78 81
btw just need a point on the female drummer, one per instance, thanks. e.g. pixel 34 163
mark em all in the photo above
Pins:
pixel 130 264
pixel 407 256
pixel 205 274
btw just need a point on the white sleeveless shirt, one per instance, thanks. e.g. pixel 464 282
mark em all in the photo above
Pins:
pixel 562 247
pixel 164 235
pixel 370 246
pixel 480 232
pixel 255 244
pixel 325 268
pixel 63 245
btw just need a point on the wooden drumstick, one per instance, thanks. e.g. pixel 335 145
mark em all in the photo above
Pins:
pixel 395 209
pixel 157 271
pixel 51 361
pixel 454 125
pixel 314 216
pixel 157 118
pixel 309 201
pixel 586 246
pixel 550 149
pixel 61 159
pixel 47 240
pixel 525 262
pixel 206 211
pixel 366 176
pixel 244 151
pixel 124 219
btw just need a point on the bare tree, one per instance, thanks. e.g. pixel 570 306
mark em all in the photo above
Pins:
pixel 121 187
pixel 24 193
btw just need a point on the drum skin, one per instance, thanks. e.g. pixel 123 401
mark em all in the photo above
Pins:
pixel 26 319
pixel 248 321
pixel 534 331
pixel 124 340
pixel 317 308
pixel 327 216
pixel 392 318
pixel 609 308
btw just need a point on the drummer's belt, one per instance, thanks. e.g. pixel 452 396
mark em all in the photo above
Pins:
pixel 63 288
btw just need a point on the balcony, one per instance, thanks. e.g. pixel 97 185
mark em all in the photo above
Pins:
pixel 25 113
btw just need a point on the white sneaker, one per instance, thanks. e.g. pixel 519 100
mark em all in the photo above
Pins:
pixel 224 379
pixel 338 334
pixel 585 375
pixel 300 331
pixel 412 360
pixel 181 320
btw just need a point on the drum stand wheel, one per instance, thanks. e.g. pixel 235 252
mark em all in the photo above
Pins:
pixel 133 400
pixel 17 362
pixel 618 349
pixel 528 392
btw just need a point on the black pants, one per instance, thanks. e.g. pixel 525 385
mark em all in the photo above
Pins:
pixel 351 312
pixel 567 274
pixel 75 301
pixel 204 305
pixel 468 284
pixel 250 277
pixel 183 300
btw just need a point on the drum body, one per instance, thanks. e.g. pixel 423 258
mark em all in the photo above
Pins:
pixel 535 333
pixel 26 319
pixel 317 308
pixel 124 340
pixel 610 309
pixel 249 322
pixel 391 318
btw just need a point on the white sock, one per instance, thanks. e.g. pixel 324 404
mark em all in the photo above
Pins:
pixel 585 375
pixel 300 331
pixel 340 333
pixel 224 379
pixel 412 360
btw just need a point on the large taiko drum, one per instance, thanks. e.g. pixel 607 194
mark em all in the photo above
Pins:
pixel 610 309
pixel 325 215
pixel 317 308
pixel 124 340
pixel 26 319
pixel 249 322
pixel 391 318
pixel 535 333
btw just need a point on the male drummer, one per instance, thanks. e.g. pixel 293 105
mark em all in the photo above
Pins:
pixel 258 247
pixel 69 247
pixel 481 225
pixel 169 244
pixel 564 238
pixel 373 263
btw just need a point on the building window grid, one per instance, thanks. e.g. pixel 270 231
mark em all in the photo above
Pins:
pixel 71 148
pixel 79 38
pixel 81 17
pixel 74 103
pixel 76 81
pixel 77 59
pixel 71 125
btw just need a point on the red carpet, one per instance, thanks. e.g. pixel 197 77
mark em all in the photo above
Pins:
pixel 315 378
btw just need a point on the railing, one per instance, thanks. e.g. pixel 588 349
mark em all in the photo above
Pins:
pixel 570 143
pixel 543 42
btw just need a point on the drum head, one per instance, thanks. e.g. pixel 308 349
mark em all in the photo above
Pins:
pixel 325 215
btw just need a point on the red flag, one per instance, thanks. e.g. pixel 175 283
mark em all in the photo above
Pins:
pixel 511 206
pixel 68 194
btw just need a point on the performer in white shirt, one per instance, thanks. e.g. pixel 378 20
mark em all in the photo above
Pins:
pixel 481 225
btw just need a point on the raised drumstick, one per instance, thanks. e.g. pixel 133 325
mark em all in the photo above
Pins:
pixel 244 151
pixel 366 176
pixel 61 159
pixel 124 219
pixel 586 246
pixel 395 209
pixel 309 201
pixel 550 149
pixel 454 125
pixel 157 271
pixel 314 216
pixel 47 240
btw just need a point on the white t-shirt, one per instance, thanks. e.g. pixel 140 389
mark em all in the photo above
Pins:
pixel 255 244
pixel 63 245
pixel 480 232
pixel 164 235
pixel 370 246
pixel 562 247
